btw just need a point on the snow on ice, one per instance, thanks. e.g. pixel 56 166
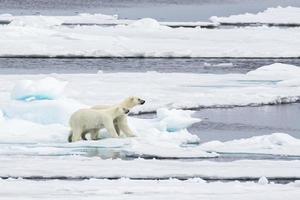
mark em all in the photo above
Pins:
pixel 145 189
pixel 89 167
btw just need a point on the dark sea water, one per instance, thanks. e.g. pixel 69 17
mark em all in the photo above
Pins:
pixel 182 65
pixel 171 10
pixel 243 122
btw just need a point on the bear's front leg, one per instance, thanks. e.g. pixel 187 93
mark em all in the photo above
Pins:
pixel 116 125
pixel 109 125
pixel 123 125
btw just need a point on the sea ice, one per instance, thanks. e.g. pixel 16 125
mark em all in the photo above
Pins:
pixel 92 189
pixel 145 38
pixel 95 167
pixel 28 118
pixel 276 143
pixel 278 15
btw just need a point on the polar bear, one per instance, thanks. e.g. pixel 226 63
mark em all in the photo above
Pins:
pixel 92 120
pixel 120 123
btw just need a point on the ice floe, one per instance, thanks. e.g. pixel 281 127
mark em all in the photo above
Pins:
pixel 92 19
pixel 273 84
pixel 145 38
pixel 277 15
pixel 35 109
pixel 95 167
pixel 276 143
pixel 28 118
pixel 145 189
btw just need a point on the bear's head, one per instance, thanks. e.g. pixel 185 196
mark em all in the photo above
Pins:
pixel 130 102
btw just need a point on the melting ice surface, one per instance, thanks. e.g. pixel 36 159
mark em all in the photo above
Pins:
pixel 42 124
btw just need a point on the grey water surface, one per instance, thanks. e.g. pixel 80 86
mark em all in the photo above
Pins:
pixel 164 10
pixel 166 65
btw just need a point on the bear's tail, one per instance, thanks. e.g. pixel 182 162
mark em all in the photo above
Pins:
pixel 70 136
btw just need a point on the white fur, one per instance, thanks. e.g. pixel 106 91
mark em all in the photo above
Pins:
pixel 92 120
pixel 120 122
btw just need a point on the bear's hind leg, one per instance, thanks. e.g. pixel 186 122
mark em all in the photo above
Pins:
pixel 76 136
pixel 70 136
pixel 94 134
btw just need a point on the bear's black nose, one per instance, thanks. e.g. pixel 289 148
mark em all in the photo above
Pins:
pixel 142 101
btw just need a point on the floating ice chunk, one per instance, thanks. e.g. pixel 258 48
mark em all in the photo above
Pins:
pixel 224 65
pixel 276 143
pixel 47 88
pixel 41 101
pixel 277 70
pixel 174 120
pixel 44 112
pixel 263 180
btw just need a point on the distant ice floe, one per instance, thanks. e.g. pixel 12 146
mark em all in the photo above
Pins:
pixel 44 21
pixel 90 19
pixel 43 36
pixel 278 15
